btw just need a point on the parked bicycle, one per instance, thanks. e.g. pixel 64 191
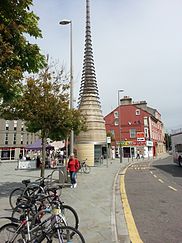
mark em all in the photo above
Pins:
pixel 51 230
pixel 28 189
pixel 43 201
pixel 84 168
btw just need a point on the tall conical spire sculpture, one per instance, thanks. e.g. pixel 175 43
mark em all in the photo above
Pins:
pixel 90 143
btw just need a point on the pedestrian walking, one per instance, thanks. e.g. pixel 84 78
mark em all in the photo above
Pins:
pixel 138 155
pixel 72 168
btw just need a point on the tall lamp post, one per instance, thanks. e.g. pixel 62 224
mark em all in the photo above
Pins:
pixel 119 124
pixel 69 22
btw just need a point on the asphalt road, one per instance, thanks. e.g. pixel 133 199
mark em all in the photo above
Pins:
pixel 154 191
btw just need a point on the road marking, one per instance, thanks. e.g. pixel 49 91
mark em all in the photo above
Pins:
pixel 155 176
pixel 172 188
pixel 132 229
pixel 151 172
pixel 160 180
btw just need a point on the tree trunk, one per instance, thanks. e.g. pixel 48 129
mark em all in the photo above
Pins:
pixel 43 157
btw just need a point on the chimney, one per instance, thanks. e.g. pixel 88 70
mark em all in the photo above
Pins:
pixel 126 100
pixel 141 104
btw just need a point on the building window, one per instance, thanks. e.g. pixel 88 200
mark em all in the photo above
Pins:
pixel 21 141
pixel 146 132
pixel 6 138
pixel 14 139
pixel 116 122
pixel 22 126
pixel 145 121
pixel 15 125
pixel 132 133
pixel 137 112
pixel 27 138
pixel 7 125
pixel 113 133
pixel 116 114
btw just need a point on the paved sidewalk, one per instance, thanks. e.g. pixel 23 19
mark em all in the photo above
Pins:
pixel 92 199
pixel 96 199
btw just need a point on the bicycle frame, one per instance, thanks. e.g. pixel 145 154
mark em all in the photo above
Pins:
pixel 54 219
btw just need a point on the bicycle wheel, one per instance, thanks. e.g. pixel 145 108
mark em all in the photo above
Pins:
pixel 21 210
pixel 86 169
pixel 8 234
pixel 70 216
pixel 65 234
pixel 33 190
pixel 15 197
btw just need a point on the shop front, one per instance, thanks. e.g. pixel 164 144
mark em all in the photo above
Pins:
pixel 10 153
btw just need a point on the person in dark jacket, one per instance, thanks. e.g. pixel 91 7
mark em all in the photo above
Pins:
pixel 72 168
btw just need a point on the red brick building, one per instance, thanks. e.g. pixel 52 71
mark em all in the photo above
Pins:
pixel 140 126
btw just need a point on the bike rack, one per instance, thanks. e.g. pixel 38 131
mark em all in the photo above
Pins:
pixel 61 176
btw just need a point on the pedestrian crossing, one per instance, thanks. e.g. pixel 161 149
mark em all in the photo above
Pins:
pixel 140 167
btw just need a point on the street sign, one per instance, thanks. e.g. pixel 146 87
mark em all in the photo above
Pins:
pixel 108 139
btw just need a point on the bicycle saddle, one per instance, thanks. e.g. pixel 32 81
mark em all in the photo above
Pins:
pixel 26 182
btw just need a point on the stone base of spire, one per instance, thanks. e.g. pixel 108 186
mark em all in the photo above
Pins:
pixel 88 151
pixel 85 151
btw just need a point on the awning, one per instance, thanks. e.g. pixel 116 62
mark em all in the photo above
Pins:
pixel 38 145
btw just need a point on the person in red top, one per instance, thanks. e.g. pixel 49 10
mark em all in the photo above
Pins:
pixel 72 168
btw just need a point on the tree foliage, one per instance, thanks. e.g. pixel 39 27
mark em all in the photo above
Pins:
pixel 17 54
pixel 44 106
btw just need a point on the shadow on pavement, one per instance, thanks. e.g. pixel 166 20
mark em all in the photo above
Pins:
pixel 7 187
pixel 172 169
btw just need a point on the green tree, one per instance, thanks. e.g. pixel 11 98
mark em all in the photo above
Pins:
pixel 17 54
pixel 44 105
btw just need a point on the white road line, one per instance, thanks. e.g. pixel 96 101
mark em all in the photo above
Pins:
pixel 160 180
pixel 151 172
pixel 155 176
pixel 172 188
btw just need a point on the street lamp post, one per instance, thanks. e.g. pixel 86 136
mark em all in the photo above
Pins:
pixel 119 124
pixel 66 22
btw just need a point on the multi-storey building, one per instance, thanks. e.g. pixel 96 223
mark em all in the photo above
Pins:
pixel 14 138
pixel 136 128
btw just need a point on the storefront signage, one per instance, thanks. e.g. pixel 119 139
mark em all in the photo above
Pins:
pixel 140 136
pixel 132 143
pixel 149 143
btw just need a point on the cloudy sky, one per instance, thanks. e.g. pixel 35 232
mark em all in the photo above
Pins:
pixel 137 47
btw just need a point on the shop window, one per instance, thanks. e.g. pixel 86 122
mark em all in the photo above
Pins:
pixel 12 154
pixel 5 155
